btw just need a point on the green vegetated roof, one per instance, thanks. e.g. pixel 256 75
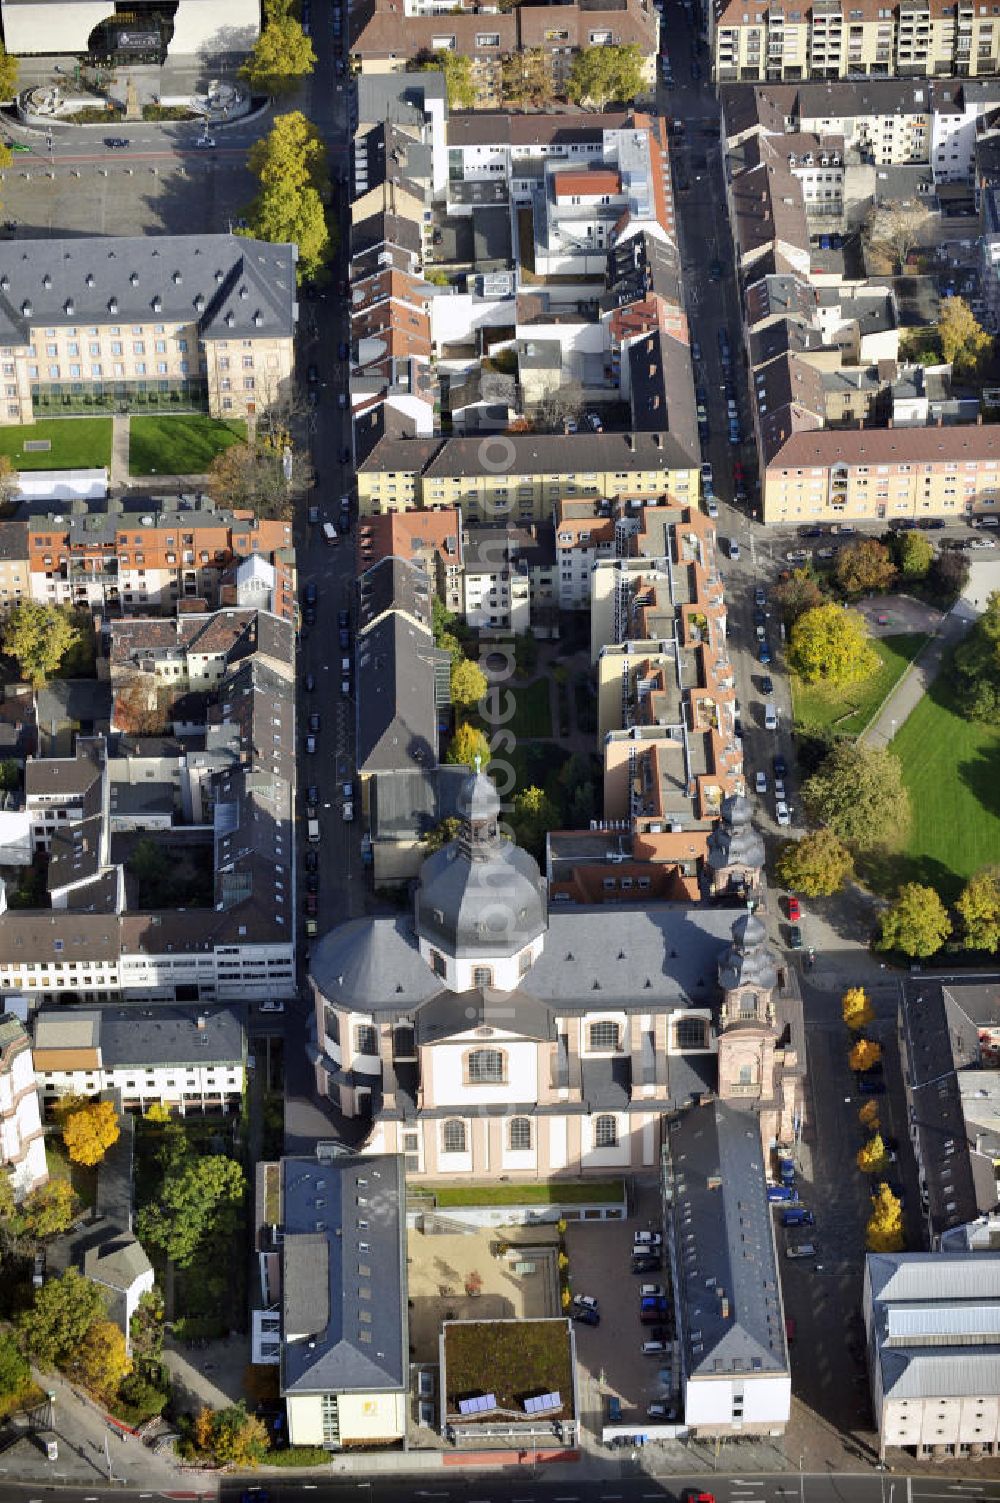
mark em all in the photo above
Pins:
pixel 511 1359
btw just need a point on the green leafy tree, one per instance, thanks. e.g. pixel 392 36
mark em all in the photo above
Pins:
pixel 816 866
pixel 90 1132
pixel 599 75
pixel 101 1360
pixel 468 683
pixel 964 342
pixel 917 924
pixel 979 909
pixel 949 574
pixel 63 1312
pixel 39 637
pixel 146 1326
pixel 859 792
pixel 442 834
pixel 830 645
pixel 47 1211
pixel 977 665
pixel 8 78
pixel 799 593
pixel 10 774
pixel 884 1232
pixel 198 1208
pixel 865 568
pixel 292 154
pixel 232 1436
pixel 15 1372
pixel 459 83
pixel 914 554
pixel 466 745
pixel 526 78
pixel 533 815
pixel 281 56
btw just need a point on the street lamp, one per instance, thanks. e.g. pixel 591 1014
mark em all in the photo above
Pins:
pixel 802 1480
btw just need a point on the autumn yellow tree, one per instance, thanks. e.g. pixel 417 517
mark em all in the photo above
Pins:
pixel 864 1055
pixel 101 1360
pixel 868 1116
pixel 90 1131
pixel 857 1008
pixel 884 1232
pixel 872 1155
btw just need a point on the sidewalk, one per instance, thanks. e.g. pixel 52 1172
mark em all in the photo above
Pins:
pixel 120 434
pixel 921 673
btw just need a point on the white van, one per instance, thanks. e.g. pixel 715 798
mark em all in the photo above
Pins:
pixel 312 831
pixel 330 533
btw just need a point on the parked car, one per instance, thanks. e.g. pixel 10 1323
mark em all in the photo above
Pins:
pixel 770 718
pixel 801 1250
pixel 798 1217
pixel 734 549
pixel 593 422
pixel 312 904
pixel 586 1301
pixel 343 618
pixel 312 882
pixel 794 910
pixel 653 1348
pixel 767 684
pixel 712 508
pixel 312 374
pixel 646 1263
pixel 652 1291
pixel 764 653
pixel 779 765
pixel 348 812
pixel 311 593
pixel 760 782
pixel 117 143
pixel 871 1085
pixel 794 937
pixel 659 1411
pixel 585 1316
pixel 309 682
pixel 646 1239
pixel 782 814
pixel 314 721
pixel 778 1194
pixel 786 1170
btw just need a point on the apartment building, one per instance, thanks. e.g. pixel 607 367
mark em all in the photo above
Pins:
pixel 585 532
pixel 520 477
pixel 509 581
pixel 22 1141
pixel 203 320
pixel 949 1035
pixel 430 539
pixel 191 1061
pixel 883 474
pixel 612 1027
pixel 386 34
pixel 15 575
pixel 828 40
pixel 136 554
pixel 933 1352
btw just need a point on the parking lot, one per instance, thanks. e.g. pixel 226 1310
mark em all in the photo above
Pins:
pixel 610 1355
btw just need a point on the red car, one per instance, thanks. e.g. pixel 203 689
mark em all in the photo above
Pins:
pixel 693 1495
pixel 794 911
pixel 738 473
pixel 312 904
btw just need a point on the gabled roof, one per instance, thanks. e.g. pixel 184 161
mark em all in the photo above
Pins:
pixel 396 709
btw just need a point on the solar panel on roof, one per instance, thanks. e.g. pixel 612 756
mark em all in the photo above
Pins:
pixel 542 1403
pixel 479 1404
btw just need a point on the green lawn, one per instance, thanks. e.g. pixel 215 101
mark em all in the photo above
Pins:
pixel 542 1193
pixel 951 767
pixel 533 716
pixel 181 445
pixel 849 710
pixel 76 444
pixel 82 1178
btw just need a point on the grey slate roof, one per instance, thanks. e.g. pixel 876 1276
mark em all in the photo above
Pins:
pixel 344 1275
pixel 662 390
pixel 230 287
pixel 393 584
pixel 480 908
pixel 400 97
pixel 161 1035
pixel 118 1262
pixel 406 805
pixel 725 1242
pixel 620 958
pixel 396 711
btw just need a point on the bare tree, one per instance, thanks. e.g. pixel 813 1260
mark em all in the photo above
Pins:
pixel 556 406
pixel 893 228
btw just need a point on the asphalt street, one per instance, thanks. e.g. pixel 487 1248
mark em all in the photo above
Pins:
pixel 491 1487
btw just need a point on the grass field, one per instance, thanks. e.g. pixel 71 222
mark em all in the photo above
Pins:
pixel 181 445
pixel 76 444
pixel 533 716
pixel 554 1192
pixel 82 1178
pixel 951 767
pixel 849 710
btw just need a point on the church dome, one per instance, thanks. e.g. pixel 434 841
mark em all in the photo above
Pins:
pixel 734 841
pixel 748 961
pixel 480 897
